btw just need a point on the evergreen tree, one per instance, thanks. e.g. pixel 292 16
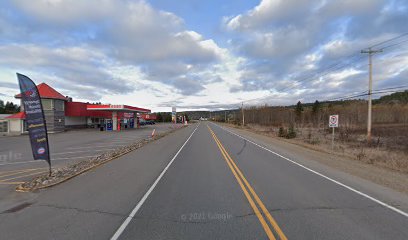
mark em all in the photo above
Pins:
pixel 316 107
pixel 401 97
pixel 159 117
pixel 298 110
pixel 11 108
pixel 1 107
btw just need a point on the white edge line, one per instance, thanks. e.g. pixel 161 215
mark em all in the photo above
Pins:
pixel 322 175
pixel 146 195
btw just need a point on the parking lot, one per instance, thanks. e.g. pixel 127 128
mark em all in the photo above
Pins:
pixel 17 164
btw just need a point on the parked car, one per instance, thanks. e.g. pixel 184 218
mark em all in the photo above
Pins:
pixel 150 122
pixel 142 122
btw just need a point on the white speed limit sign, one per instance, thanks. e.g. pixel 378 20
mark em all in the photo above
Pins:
pixel 334 121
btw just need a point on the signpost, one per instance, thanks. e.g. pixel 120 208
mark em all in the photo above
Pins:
pixel 37 128
pixel 333 123
pixel 173 115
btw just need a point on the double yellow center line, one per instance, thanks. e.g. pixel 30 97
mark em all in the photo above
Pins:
pixel 252 197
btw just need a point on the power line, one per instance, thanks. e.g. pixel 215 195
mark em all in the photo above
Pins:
pixel 329 69
pixel 356 55
pixel 312 75
pixel 389 88
pixel 339 98
pixel 325 72
pixel 389 40
pixel 393 91
pixel 348 64
pixel 365 93
pixel 395 44
pixel 347 96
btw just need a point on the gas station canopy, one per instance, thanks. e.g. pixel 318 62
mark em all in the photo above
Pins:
pixel 116 108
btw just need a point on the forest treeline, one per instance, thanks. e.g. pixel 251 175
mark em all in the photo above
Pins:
pixel 8 107
pixel 352 114
pixel 389 109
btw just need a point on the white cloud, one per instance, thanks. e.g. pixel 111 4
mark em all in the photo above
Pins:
pixel 128 33
pixel 67 11
pixel 73 68
pixel 288 44
pixel 270 12
pixel 128 48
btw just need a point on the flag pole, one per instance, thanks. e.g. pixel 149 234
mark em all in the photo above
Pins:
pixel 46 134
pixel 35 119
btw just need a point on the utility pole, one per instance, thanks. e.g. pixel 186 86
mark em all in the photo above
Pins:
pixel 370 53
pixel 243 114
pixel 225 116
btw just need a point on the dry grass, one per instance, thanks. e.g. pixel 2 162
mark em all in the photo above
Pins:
pixel 389 145
pixel 389 148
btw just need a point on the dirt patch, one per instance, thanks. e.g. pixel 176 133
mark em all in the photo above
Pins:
pixel 59 175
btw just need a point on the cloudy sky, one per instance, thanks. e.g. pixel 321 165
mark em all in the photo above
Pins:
pixel 197 54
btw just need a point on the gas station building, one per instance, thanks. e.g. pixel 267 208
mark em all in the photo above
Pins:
pixel 121 115
pixel 61 113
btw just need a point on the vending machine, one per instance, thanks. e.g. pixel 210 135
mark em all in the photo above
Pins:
pixel 109 124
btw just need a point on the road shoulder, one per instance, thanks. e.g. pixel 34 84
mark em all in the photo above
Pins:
pixel 388 185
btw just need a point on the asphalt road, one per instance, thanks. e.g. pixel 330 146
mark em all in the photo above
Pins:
pixel 203 182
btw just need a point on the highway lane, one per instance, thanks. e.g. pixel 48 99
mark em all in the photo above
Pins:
pixel 198 198
pixel 301 204
pixel 201 183
pixel 308 206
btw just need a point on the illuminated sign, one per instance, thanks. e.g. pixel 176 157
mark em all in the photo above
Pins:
pixel 116 106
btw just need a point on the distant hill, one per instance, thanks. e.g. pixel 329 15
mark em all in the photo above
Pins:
pixel 197 114
pixel 398 97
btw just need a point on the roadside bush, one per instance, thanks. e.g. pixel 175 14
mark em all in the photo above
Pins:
pixel 315 141
pixel 291 132
pixel 361 155
pixel 282 132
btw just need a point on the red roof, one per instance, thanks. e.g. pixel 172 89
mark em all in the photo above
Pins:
pixel 20 115
pixel 47 92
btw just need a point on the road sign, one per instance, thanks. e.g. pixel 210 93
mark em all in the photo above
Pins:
pixel 334 121
pixel 173 115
